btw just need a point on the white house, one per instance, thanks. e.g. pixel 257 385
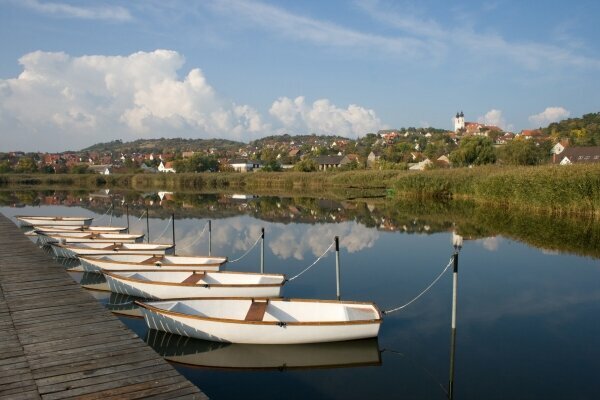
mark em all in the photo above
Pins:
pixel 100 169
pixel 166 167
pixel 244 165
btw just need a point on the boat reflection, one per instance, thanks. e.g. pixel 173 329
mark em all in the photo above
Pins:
pixel 94 281
pixel 206 354
pixel 123 305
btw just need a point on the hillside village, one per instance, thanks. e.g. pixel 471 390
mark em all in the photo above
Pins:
pixel 570 141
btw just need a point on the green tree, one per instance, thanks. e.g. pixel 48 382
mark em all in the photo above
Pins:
pixel 306 165
pixel 474 150
pixel 5 167
pixel 524 152
pixel 271 166
pixel 80 169
pixel 26 165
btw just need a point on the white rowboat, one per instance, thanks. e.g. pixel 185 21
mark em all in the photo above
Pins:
pixel 87 237
pixel 79 249
pixel 154 262
pixel 69 229
pixel 267 321
pixel 54 221
pixel 164 285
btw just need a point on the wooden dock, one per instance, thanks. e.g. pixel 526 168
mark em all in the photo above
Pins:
pixel 58 342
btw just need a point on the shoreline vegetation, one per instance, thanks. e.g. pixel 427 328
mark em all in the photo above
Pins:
pixel 573 189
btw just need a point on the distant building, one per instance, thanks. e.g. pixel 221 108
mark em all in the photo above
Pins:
pixel 328 162
pixel 100 169
pixel 244 165
pixel 459 121
pixel 166 167
pixel 579 155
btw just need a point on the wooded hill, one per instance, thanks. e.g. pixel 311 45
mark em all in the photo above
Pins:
pixel 584 131
pixel 163 145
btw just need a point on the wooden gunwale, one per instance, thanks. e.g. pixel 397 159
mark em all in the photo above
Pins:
pixel 115 276
pixel 146 262
pixel 276 323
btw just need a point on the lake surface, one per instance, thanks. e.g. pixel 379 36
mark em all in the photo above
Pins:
pixel 528 294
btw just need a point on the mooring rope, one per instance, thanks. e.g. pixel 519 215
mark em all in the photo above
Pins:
pixel 422 293
pixel 311 265
pixel 103 215
pixel 197 239
pixel 165 230
pixel 142 216
pixel 246 253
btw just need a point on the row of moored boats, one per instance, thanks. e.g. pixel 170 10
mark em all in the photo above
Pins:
pixel 192 297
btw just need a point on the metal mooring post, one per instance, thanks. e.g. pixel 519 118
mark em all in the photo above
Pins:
pixel 173 219
pixel 127 213
pixel 337 266
pixel 262 250
pixel 209 237
pixel 147 226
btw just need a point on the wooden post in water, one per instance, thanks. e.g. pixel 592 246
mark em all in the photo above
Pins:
pixel 262 250
pixel 209 237
pixel 127 213
pixel 337 267
pixel 147 226
pixel 173 219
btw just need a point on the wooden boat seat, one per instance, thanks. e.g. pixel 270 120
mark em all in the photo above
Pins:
pixel 115 246
pixel 256 312
pixel 152 260
pixel 194 278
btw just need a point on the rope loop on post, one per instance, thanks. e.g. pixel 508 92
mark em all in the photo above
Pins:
pixel 422 293
pixel 311 265
pixel 165 230
pixel 103 215
pixel 197 239
pixel 248 251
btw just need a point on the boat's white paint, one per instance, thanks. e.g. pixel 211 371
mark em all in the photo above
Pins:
pixel 88 237
pixel 154 262
pixel 284 322
pixel 92 228
pixel 163 285
pixel 78 249
pixel 26 220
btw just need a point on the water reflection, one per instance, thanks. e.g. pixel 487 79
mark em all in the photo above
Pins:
pixel 575 235
pixel 201 353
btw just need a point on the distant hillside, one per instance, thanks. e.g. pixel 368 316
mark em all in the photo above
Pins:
pixel 165 145
pixel 584 131
pixel 298 139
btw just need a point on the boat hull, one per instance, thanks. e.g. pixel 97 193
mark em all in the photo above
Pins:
pixel 91 264
pixel 263 332
pixel 54 221
pixel 165 291
pixel 75 252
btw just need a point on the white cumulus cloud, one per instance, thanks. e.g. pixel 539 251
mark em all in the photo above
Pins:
pixel 89 99
pixel 323 117
pixel 493 117
pixel 62 102
pixel 549 115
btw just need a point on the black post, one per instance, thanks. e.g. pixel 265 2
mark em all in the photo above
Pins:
pixel 337 266
pixel 262 250
pixel 147 226
pixel 209 237
pixel 173 219
pixel 127 213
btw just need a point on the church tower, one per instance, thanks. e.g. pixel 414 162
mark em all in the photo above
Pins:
pixel 459 121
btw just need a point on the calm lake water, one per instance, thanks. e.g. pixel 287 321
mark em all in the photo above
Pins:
pixel 528 295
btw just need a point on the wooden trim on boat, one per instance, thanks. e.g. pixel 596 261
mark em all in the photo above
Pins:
pixel 194 278
pixel 287 323
pixel 158 259
pixel 257 310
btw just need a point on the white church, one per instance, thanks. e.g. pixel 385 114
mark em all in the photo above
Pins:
pixel 459 121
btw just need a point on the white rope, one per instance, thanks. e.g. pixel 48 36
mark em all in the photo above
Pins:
pixel 311 265
pixel 246 253
pixel 197 239
pixel 103 215
pixel 165 230
pixel 142 216
pixel 422 293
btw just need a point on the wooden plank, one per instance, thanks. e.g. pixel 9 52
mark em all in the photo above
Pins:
pixel 58 341
pixel 194 278
pixel 256 312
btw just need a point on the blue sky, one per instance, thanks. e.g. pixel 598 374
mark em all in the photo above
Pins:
pixel 76 73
